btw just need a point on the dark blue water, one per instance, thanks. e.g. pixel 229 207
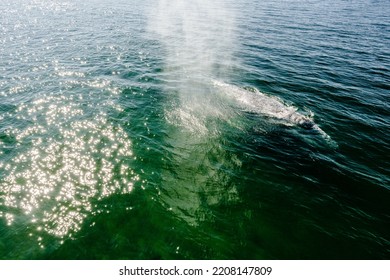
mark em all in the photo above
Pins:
pixel 194 130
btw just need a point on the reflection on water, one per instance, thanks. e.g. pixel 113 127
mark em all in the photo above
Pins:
pixel 198 176
pixel 64 161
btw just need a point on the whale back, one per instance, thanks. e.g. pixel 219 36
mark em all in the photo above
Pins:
pixel 254 101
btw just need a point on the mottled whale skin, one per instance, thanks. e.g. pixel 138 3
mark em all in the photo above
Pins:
pixel 260 103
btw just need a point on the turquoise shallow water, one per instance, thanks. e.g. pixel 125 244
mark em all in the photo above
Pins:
pixel 172 130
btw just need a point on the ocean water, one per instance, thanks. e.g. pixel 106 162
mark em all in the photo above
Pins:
pixel 195 129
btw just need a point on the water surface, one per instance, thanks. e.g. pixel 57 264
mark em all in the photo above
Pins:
pixel 116 143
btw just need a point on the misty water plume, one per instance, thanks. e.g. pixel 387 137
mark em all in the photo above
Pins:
pixel 198 39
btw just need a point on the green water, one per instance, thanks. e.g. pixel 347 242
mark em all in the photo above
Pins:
pixel 169 130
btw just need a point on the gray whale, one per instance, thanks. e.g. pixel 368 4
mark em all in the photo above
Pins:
pixel 260 103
